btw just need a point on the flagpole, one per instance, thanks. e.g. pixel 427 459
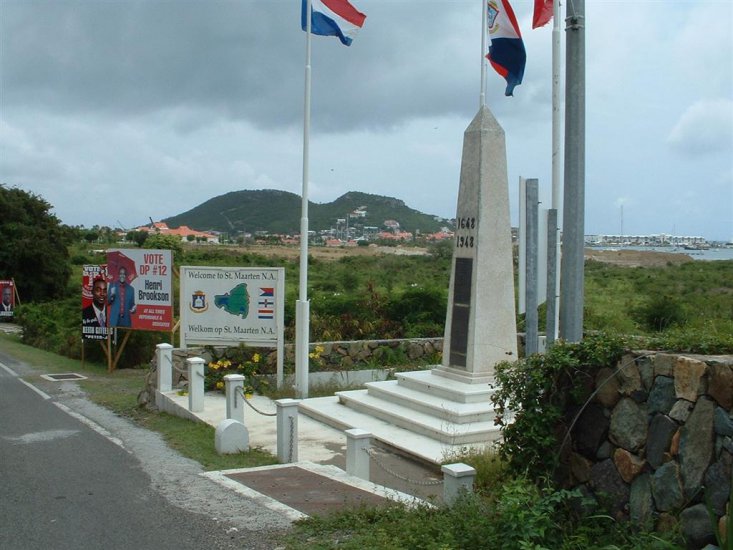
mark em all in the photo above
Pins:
pixel 302 307
pixel 557 201
pixel 484 10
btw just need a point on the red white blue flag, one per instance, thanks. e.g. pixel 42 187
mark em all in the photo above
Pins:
pixel 506 53
pixel 333 18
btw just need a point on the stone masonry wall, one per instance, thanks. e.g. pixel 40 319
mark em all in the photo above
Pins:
pixel 656 441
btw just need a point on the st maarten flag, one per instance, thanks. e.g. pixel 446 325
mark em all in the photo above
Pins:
pixel 506 53
pixel 333 18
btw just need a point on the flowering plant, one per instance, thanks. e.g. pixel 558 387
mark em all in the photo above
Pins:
pixel 316 356
pixel 242 363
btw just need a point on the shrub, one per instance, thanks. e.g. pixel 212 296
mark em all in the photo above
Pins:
pixel 540 388
pixel 660 313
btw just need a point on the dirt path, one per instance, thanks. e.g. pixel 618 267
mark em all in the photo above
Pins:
pixel 636 258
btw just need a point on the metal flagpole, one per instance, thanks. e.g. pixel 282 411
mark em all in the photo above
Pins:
pixel 484 30
pixel 572 276
pixel 302 306
pixel 556 159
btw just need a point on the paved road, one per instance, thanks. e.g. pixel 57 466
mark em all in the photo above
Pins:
pixel 74 475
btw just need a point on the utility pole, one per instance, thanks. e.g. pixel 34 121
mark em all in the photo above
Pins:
pixel 572 276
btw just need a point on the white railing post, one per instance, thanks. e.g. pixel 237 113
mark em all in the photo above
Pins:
pixel 287 430
pixel 164 364
pixel 233 387
pixel 195 384
pixel 358 443
pixel 457 479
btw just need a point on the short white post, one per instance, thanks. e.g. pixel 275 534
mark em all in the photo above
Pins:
pixel 358 443
pixel 195 384
pixel 457 479
pixel 164 363
pixel 233 387
pixel 287 430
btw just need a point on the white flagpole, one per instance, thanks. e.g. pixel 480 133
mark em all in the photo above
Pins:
pixel 484 14
pixel 302 308
pixel 557 200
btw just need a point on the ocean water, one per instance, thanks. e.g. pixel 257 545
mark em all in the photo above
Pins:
pixel 708 255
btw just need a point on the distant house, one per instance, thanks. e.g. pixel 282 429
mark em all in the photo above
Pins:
pixel 395 235
pixel 183 232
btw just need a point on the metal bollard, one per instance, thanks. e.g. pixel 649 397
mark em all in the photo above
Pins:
pixel 358 443
pixel 457 479
pixel 164 362
pixel 195 384
pixel 287 430
pixel 233 385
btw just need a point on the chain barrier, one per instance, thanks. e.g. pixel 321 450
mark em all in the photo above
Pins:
pixel 391 472
pixel 240 391
pixel 292 432
pixel 178 369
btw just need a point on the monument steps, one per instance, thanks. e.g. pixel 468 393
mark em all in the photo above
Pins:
pixel 405 416
pixel 434 405
pixel 441 386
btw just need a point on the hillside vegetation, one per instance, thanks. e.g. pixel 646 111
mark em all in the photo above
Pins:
pixel 279 212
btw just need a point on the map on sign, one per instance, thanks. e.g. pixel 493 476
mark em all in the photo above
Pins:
pixel 234 302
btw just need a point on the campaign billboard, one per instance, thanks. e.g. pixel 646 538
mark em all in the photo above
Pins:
pixel 229 305
pixel 7 299
pixel 140 289
pixel 94 302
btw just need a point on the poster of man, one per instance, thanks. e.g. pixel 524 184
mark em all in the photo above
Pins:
pixel 7 305
pixel 94 302
pixel 140 289
pixel 122 300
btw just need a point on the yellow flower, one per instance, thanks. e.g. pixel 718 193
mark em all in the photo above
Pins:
pixel 248 396
pixel 219 385
pixel 256 358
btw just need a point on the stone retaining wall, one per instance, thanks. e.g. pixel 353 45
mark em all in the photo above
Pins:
pixel 335 356
pixel 656 441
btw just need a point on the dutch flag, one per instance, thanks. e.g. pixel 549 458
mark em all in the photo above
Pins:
pixel 506 53
pixel 333 18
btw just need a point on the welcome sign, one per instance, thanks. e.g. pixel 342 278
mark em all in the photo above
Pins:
pixel 229 305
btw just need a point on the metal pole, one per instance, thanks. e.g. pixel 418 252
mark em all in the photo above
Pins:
pixel 484 30
pixel 556 165
pixel 572 282
pixel 551 314
pixel 522 247
pixel 531 336
pixel 302 306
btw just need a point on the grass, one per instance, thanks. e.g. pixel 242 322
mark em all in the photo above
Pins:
pixel 118 391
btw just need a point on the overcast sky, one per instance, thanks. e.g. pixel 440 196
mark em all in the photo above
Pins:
pixel 119 110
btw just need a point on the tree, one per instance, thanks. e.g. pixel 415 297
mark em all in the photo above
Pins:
pixel 158 241
pixel 33 246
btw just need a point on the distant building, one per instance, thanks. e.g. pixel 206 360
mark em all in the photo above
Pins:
pixel 645 240
pixel 182 231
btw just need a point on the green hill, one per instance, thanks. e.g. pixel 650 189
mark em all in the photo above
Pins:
pixel 279 212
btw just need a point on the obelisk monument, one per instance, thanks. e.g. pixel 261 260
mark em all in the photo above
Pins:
pixel 480 328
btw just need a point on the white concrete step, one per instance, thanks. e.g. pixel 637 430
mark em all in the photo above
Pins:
pixel 332 412
pixel 432 404
pixel 445 387
pixel 426 424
